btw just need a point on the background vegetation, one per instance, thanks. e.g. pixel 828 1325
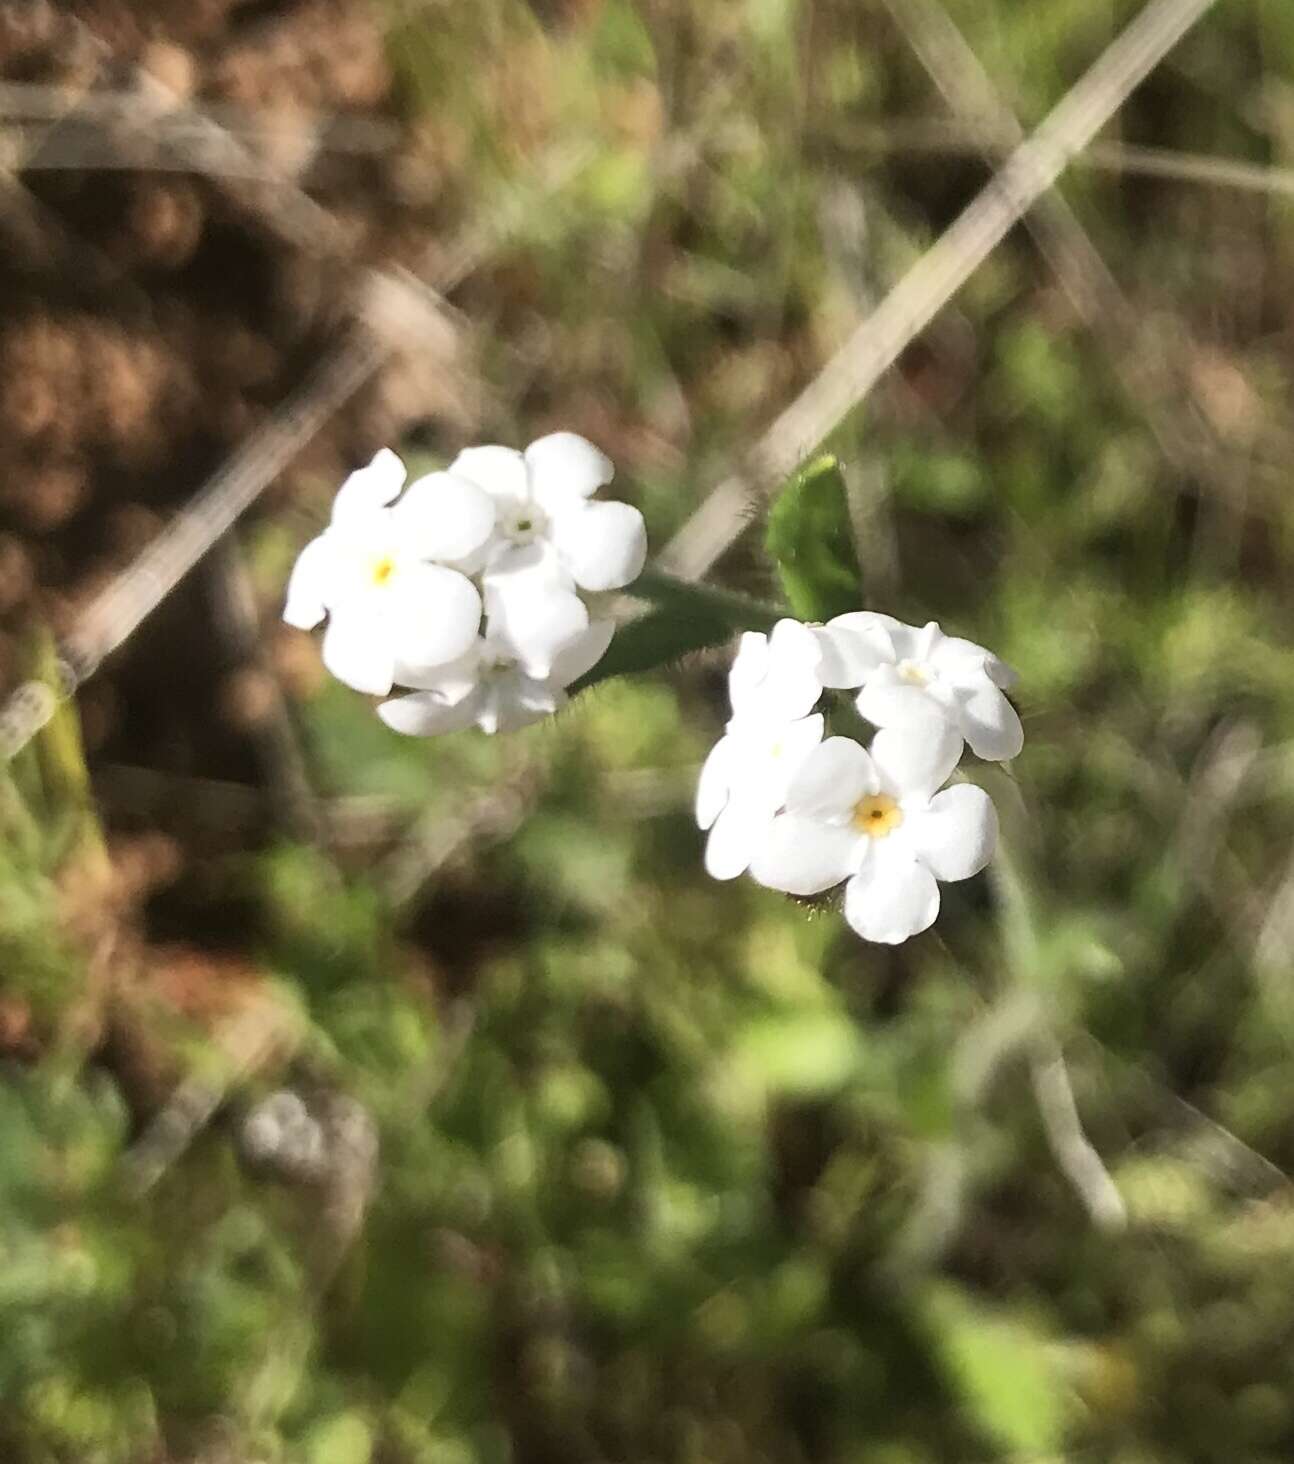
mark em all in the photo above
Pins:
pixel 590 1158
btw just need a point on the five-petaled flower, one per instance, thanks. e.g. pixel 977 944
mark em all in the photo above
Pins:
pixel 387 574
pixel 877 819
pixel 908 674
pixel 552 540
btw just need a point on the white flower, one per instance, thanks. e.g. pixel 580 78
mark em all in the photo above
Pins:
pixel 552 539
pixel 774 678
pixel 383 576
pixel 875 818
pixel 744 780
pixel 489 689
pixel 908 675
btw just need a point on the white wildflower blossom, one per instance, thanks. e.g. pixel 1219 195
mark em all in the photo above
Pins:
pixel 552 540
pixel 490 689
pixel 404 585
pixel 385 575
pixel 877 819
pixel 804 814
pixel 908 674
pixel 745 778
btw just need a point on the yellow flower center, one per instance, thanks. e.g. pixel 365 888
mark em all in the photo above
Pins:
pixel 382 570
pixel 877 815
pixel 913 673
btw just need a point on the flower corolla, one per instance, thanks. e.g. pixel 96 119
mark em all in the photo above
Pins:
pixel 385 575
pixel 877 819
pixel 909 674
pixel 804 814
pixel 468 589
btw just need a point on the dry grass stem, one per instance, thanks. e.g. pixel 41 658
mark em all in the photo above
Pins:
pixel 931 282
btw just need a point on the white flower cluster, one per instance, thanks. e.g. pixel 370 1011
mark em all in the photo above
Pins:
pixel 466 586
pixel 803 814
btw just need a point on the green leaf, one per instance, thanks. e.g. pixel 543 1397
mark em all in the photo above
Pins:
pixel 687 618
pixel 342 1439
pixel 810 539
pixel 1001 1367
pixel 804 1054
pixel 655 640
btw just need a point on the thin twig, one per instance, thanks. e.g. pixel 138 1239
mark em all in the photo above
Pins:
pixel 1073 1150
pixel 32 101
pixel 969 136
pixel 1145 371
pixel 843 229
pixel 40 230
pixel 115 613
pixel 905 312
pixel 1228 1158
pixel 293 214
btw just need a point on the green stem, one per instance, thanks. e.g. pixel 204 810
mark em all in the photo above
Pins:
pixel 739 611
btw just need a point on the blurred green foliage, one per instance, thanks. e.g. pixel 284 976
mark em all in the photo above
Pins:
pixel 698 1178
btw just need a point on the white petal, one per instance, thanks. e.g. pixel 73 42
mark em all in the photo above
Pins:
pixel 713 784
pixel 792 643
pixel 930 640
pixel 916 760
pixel 999 673
pixel 887 701
pixel 749 666
pixel 308 584
pixel 444 517
pixel 870 623
pixel 435 615
pixel 791 745
pixel 536 625
pixel 501 471
pixel 831 779
pixel 956 836
pixel 425 715
pixel 909 641
pixel 803 856
pixel 603 545
pixel 953 652
pixel 369 488
pixel 357 649
pixel 891 899
pixel 582 654
pixel 532 568
pixel 852 647
pixel 963 660
pixel 734 837
pixel 451 680
pixel 563 466
pixel 789 686
pixel 990 723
